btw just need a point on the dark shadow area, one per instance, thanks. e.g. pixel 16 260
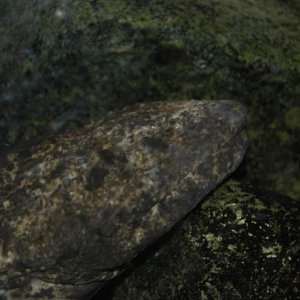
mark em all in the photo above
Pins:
pixel 107 292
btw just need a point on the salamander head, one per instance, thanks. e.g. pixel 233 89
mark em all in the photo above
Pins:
pixel 77 207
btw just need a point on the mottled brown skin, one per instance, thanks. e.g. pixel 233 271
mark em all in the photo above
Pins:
pixel 75 208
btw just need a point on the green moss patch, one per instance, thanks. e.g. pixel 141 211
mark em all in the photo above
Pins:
pixel 64 64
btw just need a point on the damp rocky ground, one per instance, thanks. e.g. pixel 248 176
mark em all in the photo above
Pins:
pixel 66 63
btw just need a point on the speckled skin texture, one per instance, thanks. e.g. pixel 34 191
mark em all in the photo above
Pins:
pixel 241 243
pixel 76 207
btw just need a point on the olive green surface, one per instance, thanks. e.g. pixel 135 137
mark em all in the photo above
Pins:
pixel 241 243
pixel 64 63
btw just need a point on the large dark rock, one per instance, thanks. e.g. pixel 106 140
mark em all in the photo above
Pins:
pixel 75 208
pixel 239 243
pixel 65 62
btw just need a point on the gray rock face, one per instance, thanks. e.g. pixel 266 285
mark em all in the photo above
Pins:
pixel 75 208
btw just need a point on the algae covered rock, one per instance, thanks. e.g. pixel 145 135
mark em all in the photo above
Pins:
pixel 63 63
pixel 77 207
pixel 240 243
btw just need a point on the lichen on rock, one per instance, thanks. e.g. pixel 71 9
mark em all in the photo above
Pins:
pixel 240 243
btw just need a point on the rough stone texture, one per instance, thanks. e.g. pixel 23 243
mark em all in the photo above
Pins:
pixel 65 62
pixel 240 243
pixel 76 207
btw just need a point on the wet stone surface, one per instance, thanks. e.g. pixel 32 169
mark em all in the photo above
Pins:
pixel 240 243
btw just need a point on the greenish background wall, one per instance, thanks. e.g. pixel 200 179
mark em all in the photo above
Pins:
pixel 65 63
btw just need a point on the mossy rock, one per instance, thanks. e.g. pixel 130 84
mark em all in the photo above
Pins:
pixel 65 63
pixel 240 243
